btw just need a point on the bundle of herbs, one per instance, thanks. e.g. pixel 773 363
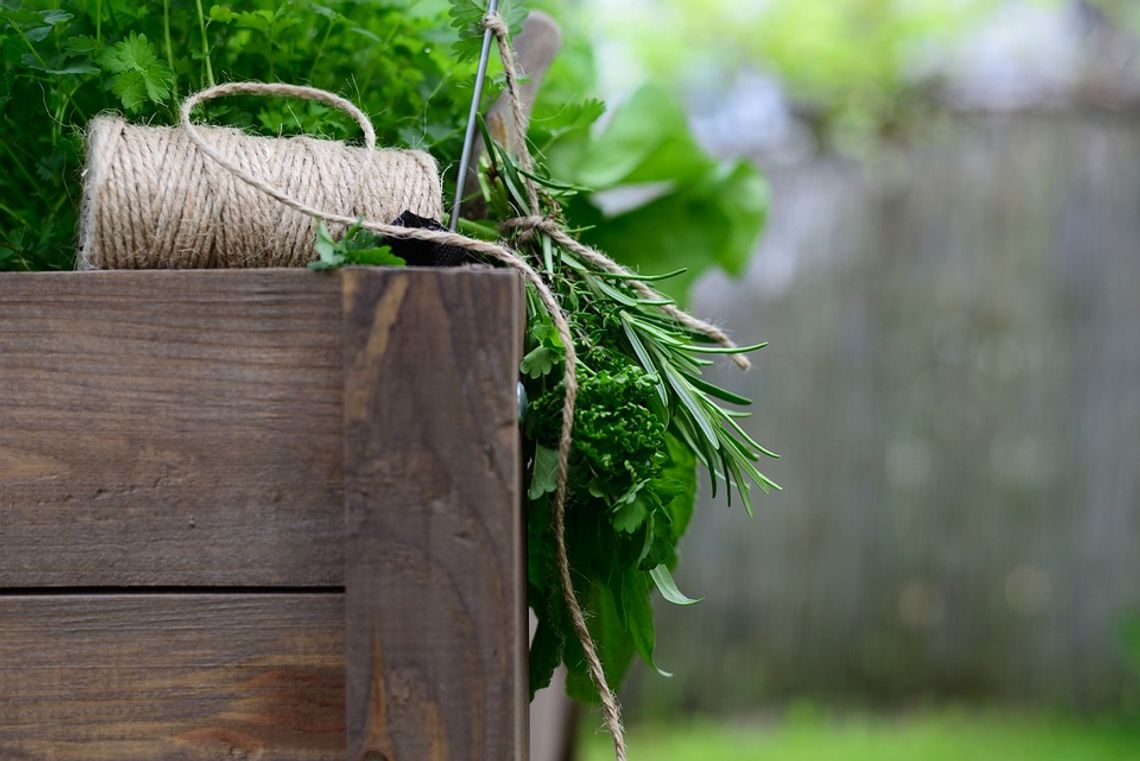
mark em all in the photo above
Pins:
pixel 644 418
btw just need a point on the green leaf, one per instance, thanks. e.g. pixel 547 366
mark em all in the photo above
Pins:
pixel 544 474
pixel 328 251
pixel 716 391
pixel 743 196
pixel 681 469
pixel 221 13
pixel 546 651
pixel 467 18
pixel 80 43
pixel 637 615
pixel 53 17
pixel 356 246
pixel 723 213
pixel 139 75
pixel 538 362
pixel 648 140
pixel 374 256
pixel 668 588
pixel 692 406
pixel 38 34
pixel 630 515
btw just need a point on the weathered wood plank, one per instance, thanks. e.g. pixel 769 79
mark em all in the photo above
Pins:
pixel 170 428
pixel 435 598
pixel 185 428
pixel 172 677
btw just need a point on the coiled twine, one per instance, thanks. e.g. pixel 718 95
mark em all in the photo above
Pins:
pixel 152 200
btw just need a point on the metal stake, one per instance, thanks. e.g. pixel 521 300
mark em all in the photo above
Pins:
pixel 469 136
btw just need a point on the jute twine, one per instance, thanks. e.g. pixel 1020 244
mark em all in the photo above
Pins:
pixel 151 199
pixel 266 178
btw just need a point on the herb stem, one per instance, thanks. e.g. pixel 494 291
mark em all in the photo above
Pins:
pixel 19 164
pixel 28 42
pixel 169 49
pixel 205 44
pixel 477 230
pixel 321 49
pixel 14 214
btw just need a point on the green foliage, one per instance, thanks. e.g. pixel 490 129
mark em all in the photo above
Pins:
pixel 648 142
pixel 356 246
pixel 61 63
pixel 467 19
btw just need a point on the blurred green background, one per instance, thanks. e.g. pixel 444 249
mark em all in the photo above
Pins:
pixel 949 277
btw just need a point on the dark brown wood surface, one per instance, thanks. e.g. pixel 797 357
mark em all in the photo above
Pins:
pixel 170 428
pixel 179 454
pixel 435 589
pixel 172 677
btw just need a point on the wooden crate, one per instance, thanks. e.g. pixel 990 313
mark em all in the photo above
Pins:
pixel 261 514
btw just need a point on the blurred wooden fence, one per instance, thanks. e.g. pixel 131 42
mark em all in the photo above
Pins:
pixel 954 383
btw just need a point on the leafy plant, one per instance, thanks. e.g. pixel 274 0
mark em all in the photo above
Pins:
pixel 63 62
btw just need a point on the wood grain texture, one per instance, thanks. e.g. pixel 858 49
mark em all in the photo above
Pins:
pixel 435 593
pixel 170 428
pixel 186 428
pixel 172 677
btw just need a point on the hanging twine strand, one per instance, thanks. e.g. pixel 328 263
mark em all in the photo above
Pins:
pixel 498 27
pixel 535 222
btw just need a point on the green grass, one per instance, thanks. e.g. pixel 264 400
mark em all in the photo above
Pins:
pixel 929 735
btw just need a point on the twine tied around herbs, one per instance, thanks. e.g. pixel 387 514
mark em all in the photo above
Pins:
pixel 535 222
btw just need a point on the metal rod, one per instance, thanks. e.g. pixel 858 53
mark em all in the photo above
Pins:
pixel 469 136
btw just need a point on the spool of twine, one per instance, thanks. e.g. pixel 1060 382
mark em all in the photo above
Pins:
pixel 152 199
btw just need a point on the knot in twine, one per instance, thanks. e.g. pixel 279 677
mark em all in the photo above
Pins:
pixel 535 222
